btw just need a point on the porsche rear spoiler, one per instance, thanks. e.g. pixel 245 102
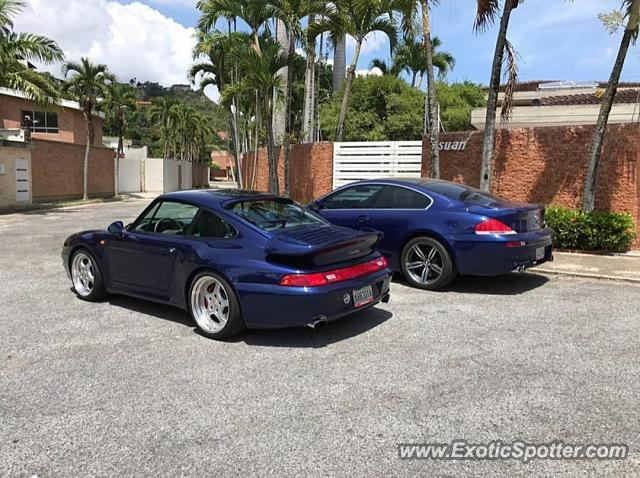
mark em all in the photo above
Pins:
pixel 314 245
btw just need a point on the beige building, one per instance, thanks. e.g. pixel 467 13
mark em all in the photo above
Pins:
pixel 564 103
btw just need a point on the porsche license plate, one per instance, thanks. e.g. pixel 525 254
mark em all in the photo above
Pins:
pixel 362 296
pixel 540 253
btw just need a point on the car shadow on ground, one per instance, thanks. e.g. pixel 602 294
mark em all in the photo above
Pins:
pixel 506 284
pixel 337 331
pixel 343 329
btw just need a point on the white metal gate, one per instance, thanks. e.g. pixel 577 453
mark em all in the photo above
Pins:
pixel 23 188
pixel 375 159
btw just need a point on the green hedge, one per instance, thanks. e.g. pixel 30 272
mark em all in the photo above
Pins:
pixel 595 231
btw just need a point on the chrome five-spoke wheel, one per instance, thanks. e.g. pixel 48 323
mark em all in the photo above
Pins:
pixel 83 274
pixel 426 263
pixel 214 306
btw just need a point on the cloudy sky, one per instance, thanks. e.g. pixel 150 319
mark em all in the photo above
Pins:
pixel 152 39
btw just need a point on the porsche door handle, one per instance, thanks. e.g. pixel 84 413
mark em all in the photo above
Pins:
pixel 363 219
pixel 169 250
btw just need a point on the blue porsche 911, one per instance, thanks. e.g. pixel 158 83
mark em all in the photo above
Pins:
pixel 233 259
pixel 435 230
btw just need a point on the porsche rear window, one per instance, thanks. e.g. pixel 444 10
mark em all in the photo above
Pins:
pixel 272 214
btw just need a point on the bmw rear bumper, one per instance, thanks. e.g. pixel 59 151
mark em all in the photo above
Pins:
pixel 275 306
pixel 491 255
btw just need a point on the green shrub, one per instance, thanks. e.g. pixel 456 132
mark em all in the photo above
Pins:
pixel 596 231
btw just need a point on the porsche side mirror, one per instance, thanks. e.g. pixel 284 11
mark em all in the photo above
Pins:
pixel 315 206
pixel 116 228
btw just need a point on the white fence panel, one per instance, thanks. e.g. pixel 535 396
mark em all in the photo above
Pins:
pixel 356 161
pixel 153 174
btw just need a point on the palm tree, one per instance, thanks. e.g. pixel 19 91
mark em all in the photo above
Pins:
pixel 260 74
pixel 357 18
pixel 87 84
pixel 291 13
pixel 487 12
pixel 162 113
pixel 391 68
pixel 632 16
pixel 191 129
pixel 120 100
pixel 339 62
pixel 17 49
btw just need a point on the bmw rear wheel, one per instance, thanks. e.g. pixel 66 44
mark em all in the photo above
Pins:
pixel 426 264
pixel 86 276
pixel 214 306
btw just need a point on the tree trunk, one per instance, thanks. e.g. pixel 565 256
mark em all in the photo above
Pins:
pixel 347 91
pixel 85 179
pixel 432 103
pixel 274 187
pixel 492 99
pixel 420 81
pixel 287 139
pixel 413 79
pixel 279 110
pixel 339 63
pixel 590 182
pixel 309 92
pixel 117 171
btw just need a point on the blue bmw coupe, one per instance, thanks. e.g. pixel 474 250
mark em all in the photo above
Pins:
pixel 435 230
pixel 233 259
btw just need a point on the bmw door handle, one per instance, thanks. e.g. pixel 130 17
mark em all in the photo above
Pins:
pixel 363 219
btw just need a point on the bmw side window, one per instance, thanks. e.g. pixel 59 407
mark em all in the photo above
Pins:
pixel 394 197
pixel 169 217
pixel 357 197
pixel 209 225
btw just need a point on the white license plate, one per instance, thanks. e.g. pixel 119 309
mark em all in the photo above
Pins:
pixel 540 253
pixel 362 296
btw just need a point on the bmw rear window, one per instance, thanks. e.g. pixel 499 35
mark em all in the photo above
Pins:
pixel 272 214
pixel 460 192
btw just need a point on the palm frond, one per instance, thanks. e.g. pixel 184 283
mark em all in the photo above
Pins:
pixel 512 81
pixel 486 14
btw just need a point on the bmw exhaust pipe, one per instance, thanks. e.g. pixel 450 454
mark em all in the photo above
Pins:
pixel 319 322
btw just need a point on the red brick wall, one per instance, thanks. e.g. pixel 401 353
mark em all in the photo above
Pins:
pixel 310 174
pixel 547 165
pixel 57 171
pixel 70 121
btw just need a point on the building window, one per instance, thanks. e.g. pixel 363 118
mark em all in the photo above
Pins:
pixel 40 121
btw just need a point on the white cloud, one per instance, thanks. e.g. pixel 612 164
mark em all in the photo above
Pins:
pixel 375 71
pixel 373 42
pixel 134 40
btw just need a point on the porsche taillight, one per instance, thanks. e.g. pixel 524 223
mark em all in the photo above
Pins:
pixel 317 279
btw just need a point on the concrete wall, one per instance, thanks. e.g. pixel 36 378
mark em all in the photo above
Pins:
pixel 311 170
pixel 200 175
pixel 176 175
pixel 71 122
pixel 547 166
pixel 130 175
pixel 8 157
pixel 153 174
pixel 57 171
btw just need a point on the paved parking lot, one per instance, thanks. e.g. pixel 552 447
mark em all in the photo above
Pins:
pixel 127 388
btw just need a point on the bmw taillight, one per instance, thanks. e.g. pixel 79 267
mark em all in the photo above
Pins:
pixel 493 226
pixel 317 279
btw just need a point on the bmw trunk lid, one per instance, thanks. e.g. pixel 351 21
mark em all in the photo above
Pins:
pixel 518 216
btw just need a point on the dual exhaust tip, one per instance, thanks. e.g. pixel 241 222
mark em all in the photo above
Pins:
pixel 318 323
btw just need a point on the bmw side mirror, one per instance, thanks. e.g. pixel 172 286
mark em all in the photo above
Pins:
pixel 116 228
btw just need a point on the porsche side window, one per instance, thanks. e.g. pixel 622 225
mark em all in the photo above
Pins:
pixel 168 217
pixel 357 197
pixel 208 225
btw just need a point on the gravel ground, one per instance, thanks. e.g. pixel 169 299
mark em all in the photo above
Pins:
pixel 127 388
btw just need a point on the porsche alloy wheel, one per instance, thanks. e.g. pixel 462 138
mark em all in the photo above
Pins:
pixel 86 276
pixel 214 306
